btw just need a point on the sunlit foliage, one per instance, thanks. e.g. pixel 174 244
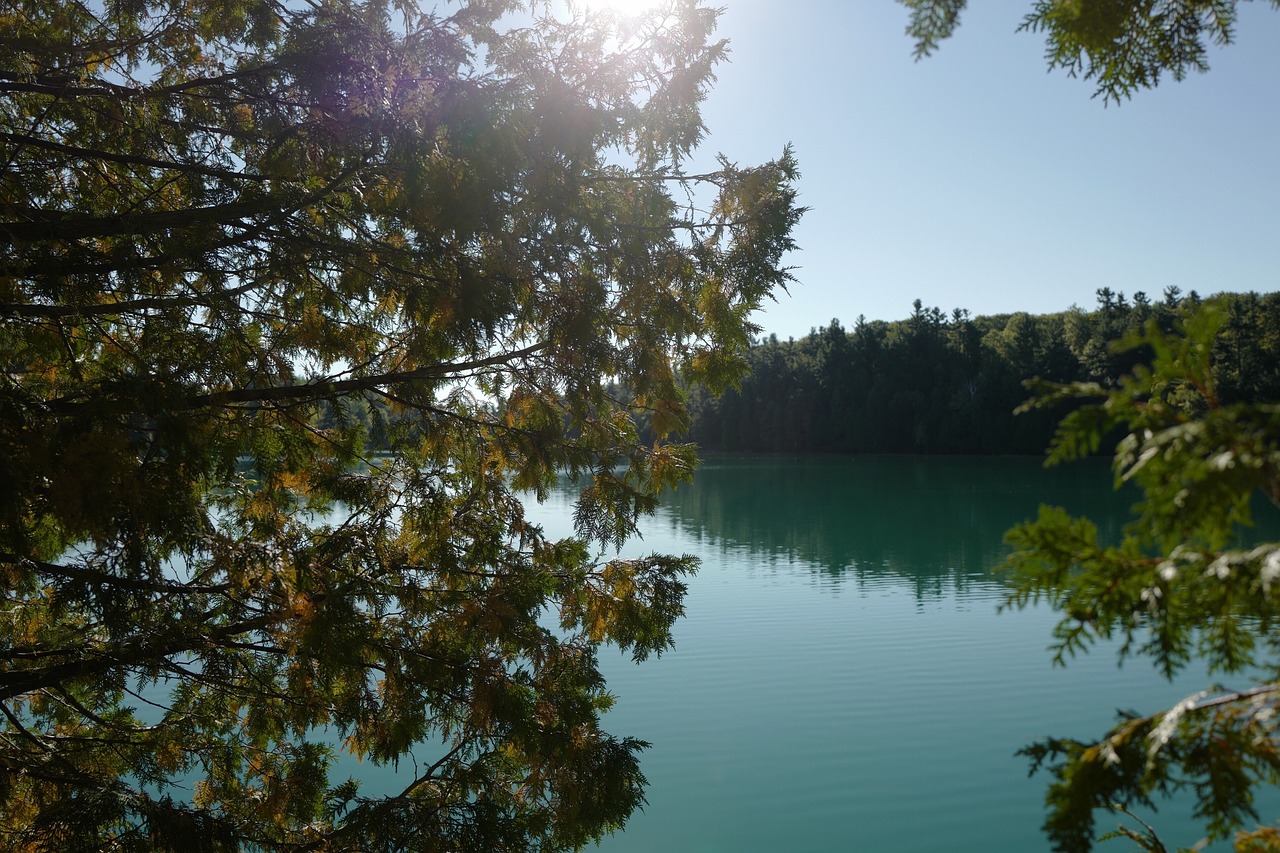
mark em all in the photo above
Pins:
pixel 228 227
pixel 1200 431
pixel 1121 46
pixel 1182 585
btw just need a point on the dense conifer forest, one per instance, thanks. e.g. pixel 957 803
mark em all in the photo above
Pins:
pixel 934 383
pixel 949 383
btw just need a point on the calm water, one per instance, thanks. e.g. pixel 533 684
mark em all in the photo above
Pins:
pixel 842 680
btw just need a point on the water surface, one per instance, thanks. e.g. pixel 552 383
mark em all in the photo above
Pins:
pixel 842 680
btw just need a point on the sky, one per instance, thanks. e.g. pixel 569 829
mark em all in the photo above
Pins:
pixel 976 179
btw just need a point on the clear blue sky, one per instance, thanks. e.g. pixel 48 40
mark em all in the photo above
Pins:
pixel 976 179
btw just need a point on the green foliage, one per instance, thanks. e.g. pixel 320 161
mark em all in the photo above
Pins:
pixel 1181 585
pixel 949 383
pixel 1120 45
pixel 1201 438
pixel 931 22
pixel 244 244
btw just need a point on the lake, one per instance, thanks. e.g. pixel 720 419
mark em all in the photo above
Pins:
pixel 842 680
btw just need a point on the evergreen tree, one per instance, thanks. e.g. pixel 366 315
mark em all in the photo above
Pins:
pixel 227 229
pixel 1201 430
pixel 1179 586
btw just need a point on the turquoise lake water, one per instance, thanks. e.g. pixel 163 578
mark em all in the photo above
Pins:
pixel 842 680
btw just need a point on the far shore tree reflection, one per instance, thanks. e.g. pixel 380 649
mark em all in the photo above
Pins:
pixel 934 522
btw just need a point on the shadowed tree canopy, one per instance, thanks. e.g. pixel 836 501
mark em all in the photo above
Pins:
pixel 950 383
pixel 1120 45
pixel 218 220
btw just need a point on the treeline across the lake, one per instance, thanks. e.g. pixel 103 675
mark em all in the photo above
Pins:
pixel 949 383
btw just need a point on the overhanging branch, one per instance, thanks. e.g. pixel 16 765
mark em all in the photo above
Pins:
pixel 92 661
pixel 25 140
pixel 322 390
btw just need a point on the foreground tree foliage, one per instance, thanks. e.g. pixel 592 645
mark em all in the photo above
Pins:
pixel 1181 585
pixel 1121 46
pixel 228 226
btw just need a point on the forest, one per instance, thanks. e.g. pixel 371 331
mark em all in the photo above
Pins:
pixel 949 383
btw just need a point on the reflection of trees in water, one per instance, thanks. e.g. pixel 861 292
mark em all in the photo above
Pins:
pixel 935 521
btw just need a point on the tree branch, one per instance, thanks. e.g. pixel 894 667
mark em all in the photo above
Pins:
pixel 127 306
pixel 10 82
pixel 98 661
pixel 46 225
pixel 97 576
pixel 22 139
pixel 311 390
